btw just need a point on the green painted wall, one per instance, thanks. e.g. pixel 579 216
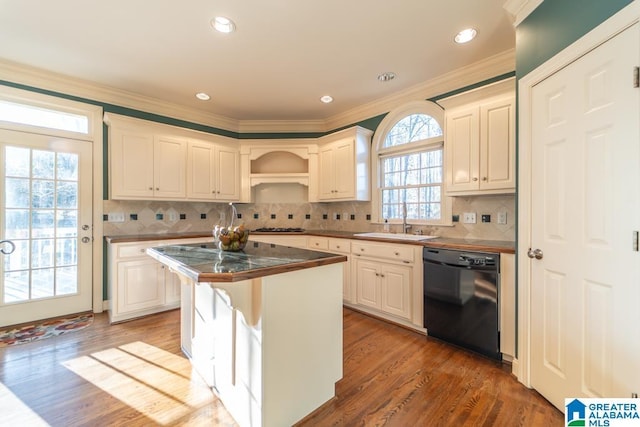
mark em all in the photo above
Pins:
pixel 554 25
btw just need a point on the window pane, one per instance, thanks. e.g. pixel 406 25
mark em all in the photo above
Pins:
pixel 19 258
pixel 17 162
pixel 66 223
pixel 67 195
pixel 415 127
pixel 16 224
pixel 17 195
pixel 16 286
pixel 42 253
pixel 43 192
pixel 42 117
pixel 67 167
pixel 42 282
pixel 66 252
pixel 43 164
pixel 42 223
pixel 66 280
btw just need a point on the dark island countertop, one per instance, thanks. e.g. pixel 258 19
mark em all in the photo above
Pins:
pixel 440 242
pixel 204 262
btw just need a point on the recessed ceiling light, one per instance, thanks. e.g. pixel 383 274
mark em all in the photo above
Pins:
pixel 326 99
pixel 202 96
pixel 385 77
pixel 465 36
pixel 223 24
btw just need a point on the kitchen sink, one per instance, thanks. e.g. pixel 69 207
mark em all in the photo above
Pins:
pixel 396 236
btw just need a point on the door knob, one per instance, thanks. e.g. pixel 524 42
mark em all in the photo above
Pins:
pixel 535 253
pixel 12 247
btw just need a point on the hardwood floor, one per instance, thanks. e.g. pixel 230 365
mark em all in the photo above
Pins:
pixel 134 374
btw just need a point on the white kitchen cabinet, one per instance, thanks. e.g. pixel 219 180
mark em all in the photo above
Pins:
pixel 138 284
pixel 386 278
pixel 213 172
pixel 343 164
pixel 147 166
pixel 480 141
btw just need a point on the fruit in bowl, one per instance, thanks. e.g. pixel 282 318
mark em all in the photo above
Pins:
pixel 231 239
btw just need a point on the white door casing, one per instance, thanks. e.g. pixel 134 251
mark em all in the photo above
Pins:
pixel 579 180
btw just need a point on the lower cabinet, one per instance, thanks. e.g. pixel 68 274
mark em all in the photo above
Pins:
pixel 138 284
pixel 388 281
pixel 385 287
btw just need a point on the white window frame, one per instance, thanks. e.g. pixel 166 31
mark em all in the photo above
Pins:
pixel 379 151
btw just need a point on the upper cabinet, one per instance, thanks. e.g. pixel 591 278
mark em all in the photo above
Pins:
pixel 153 161
pixel 480 140
pixel 213 172
pixel 343 165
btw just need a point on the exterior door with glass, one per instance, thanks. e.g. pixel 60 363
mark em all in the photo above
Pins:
pixel 45 228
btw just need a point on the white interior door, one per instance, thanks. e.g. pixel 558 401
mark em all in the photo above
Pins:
pixel 46 226
pixel 585 200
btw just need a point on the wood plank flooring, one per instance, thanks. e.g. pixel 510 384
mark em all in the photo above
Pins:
pixel 134 374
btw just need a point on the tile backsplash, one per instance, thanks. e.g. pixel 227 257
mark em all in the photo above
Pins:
pixel 150 217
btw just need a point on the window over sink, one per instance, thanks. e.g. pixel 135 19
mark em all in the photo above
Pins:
pixel 408 162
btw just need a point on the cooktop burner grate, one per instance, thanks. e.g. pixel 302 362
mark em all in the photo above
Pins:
pixel 279 230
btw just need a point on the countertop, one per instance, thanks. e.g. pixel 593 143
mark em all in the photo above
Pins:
pixel 204 262
pixel 440 242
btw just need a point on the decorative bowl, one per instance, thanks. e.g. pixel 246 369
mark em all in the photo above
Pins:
pixel 231 239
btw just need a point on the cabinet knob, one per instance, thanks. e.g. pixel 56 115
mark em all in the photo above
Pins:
pixel 475 178
pixel 151 188
pixel 484 178
pixel 213 192
pixel 397 253
pixel 377 275
pixel 382 275
pixel 142 250
pixel 157 188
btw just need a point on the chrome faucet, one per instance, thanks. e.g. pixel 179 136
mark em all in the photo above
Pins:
pixel 405 226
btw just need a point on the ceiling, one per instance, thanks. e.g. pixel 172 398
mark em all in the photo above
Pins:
pixel 283 57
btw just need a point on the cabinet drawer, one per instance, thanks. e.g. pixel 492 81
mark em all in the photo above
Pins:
pixel 341 246
pixel 137 250
pixel 318 243
pixel 387 252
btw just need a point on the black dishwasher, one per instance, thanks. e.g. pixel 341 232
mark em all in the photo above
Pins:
pixel 461 299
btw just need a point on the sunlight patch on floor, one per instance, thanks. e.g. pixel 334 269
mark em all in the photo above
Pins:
pixel 156 383
pixel 15 412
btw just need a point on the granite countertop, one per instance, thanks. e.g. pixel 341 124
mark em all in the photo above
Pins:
pixel 204 262
pixel 440 242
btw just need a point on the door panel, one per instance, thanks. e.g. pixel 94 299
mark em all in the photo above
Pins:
pixel 46 211
pixel 585 199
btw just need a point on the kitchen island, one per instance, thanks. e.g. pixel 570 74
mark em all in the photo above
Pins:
pixel 262 326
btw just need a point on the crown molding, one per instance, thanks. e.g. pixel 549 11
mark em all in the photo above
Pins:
pixel 47 80
pixel 282 126
pixel 520 9
pixel 482 70
pixel 493 66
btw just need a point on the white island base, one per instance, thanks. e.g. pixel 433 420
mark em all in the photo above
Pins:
pixel 271 347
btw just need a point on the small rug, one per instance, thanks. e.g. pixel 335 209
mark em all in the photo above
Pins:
pixel 44 329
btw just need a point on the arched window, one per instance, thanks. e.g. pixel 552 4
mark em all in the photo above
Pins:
pixel 408 163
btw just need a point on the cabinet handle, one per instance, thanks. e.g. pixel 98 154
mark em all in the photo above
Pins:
pixel 475 178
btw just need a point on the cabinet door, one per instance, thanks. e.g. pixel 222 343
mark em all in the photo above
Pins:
pixel 169 168
pixel 228 174
pixel 344 169
pixel 462 150
pixel 140 285
pixel 131 164
pixel 368 283
pixel 326 185
pixel 396 290
pixel 201 170
pixel 497 145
